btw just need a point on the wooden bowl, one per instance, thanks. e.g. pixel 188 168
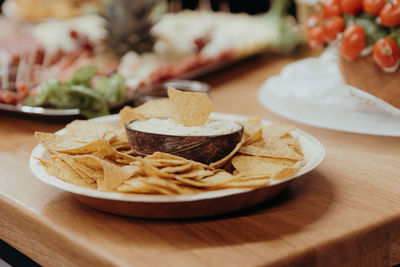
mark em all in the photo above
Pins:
pixel 366 75
pixel 205 149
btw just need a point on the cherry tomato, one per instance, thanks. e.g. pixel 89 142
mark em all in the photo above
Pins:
pixel 333 26
pixel 353 42
pixel 22 91
pixel 373 7
pixel 331 8
pixel 390 14
pixel 8 97
pixel 314 20
pixel 351 6
pixel 386 52
pixel 316 37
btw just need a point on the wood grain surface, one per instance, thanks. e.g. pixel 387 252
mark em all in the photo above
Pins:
pixel 344 213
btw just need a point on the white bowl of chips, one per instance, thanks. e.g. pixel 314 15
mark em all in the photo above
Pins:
pixel 191 201
pixel 95 161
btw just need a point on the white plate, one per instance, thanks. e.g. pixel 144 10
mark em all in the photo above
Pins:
pixel 183 206
pixel 312 91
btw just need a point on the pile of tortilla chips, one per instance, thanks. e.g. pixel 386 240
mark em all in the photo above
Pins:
pixel 97 155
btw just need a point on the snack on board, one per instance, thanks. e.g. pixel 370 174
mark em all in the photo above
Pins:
pixel 98 155
pixel 38 10
pixel 369 43
pixel 93 94
pixel 178 45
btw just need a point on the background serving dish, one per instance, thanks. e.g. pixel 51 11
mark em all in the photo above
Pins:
pixel 184 206
pixel 312 91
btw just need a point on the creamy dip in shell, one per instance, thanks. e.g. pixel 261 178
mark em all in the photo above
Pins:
pixel 169 127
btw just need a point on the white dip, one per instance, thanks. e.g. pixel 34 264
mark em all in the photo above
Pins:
pixel 169 127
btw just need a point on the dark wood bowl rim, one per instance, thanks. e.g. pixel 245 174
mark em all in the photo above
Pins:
pixel 183 136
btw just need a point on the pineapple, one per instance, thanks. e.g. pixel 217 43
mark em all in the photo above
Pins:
pixel 129 23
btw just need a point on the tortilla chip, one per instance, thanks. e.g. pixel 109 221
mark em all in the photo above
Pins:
pixel 86 173
pixel 222 162
pixel 277 130
pixel 64 144
pixel 137 185
pixel 189 109
pixel 251 125
pixel 216 179
pixel 88 131
pixel 273 147
pixel 177 169
pixel 286 173
pixel 255 137
pixel 196 174
pixel 247 183
pixel 128 114
pixel 254 165
pixel 167 185
pixel 58 168
pixel 150 170
pixel 156 108
pixel 115 175
pixel 159 158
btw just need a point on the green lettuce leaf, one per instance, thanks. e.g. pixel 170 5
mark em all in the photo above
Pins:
pixel 78 93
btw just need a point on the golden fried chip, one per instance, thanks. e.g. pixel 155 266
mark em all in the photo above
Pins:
pixel 251 125
pixel 101 149
pixel 222 162
pixel 123 156
pixel 81 166
pixel 254 176
pixel 177 169
pixel 219 178
pixel 137 185
pixel 61 143
pixel 115 175
pixel 254 165
pixel 58 168
pixel 156 108
pixel 272 147
pixel 164 159
pixel 255 137
pixel 168 185
pixel 128 114
pixel 189 109
pixel 293 143
pixel 162 163
pixel 247 183
pixel 120 141
pixel 286 172
pixel 277 130
pixel 196 173
pixel 88 131
pixel 87 174
pixel 53 142
pixel 162 155
pixel 254 124
pixel 89 161
pixel 150 170
pixel 122 146
pixel 216 179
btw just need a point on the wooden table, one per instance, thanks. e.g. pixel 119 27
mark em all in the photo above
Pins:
pixel 344 213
